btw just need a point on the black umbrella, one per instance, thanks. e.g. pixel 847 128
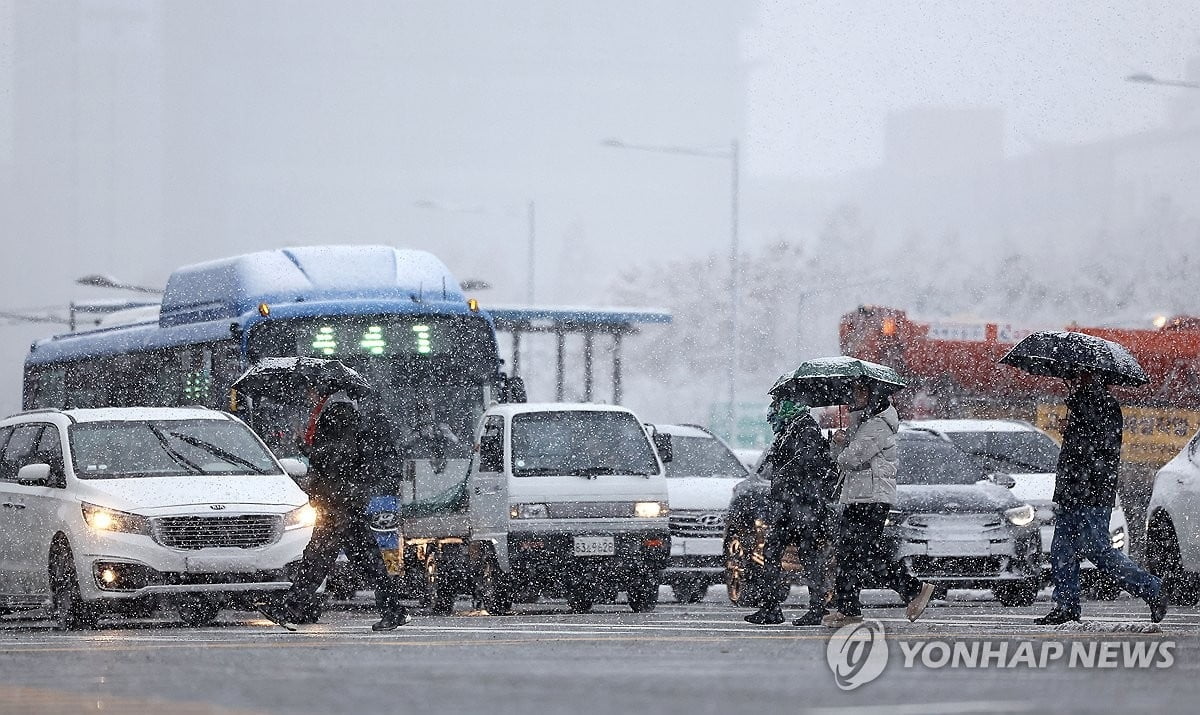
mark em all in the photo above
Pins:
pixel 1066 354
pixel 821 382
pixel 287 379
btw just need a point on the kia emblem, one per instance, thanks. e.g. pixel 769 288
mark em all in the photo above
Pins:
pixel 216 507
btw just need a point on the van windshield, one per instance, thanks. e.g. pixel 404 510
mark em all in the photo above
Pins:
pixel 580 443
pixel 166 448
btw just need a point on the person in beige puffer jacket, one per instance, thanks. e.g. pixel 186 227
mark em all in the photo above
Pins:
pixel 866 456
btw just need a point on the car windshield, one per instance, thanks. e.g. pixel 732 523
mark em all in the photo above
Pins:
pixel 580 442
pixel 166 448
pixel 1025 451
pixel 702 457
pixel 930 461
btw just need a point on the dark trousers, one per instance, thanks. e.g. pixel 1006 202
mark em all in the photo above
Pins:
pixel 343 529
pixel 862 557
pixel 815 554
pixel 1082 532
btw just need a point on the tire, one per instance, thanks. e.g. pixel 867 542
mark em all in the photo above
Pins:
pixel 643 593
pixel 438 590
pixel 199 612
pixel 71 612
pixel 690 591
pixel 740 572
pixel 580 599
pixel 493 587
pixel 1016 594
pixel 1163 560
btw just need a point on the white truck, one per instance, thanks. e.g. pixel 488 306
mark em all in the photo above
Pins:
pixel 559 500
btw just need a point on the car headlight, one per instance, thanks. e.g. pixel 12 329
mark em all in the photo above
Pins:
pixel 1118 538
pixel 649 509
pixel 529 511
pixel 895 517
pixel 301 517
pixel 1020 515
pixel 104 519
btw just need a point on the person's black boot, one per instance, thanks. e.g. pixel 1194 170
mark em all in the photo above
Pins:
pixel 1056 617
pixel 391 621
pixel 1158 604
pixel 812 617
pixel 766 616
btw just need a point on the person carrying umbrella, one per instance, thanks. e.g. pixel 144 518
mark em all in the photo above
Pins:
pixel 866 456
pixel 802 485
pixel 340 488
pixel 1085 483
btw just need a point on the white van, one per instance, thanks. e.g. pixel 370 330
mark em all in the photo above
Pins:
pixel 561 500
pixel 117 509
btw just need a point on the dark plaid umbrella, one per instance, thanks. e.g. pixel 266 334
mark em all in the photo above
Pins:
pixel 287 379
pixel 830 381
pixel 1066 354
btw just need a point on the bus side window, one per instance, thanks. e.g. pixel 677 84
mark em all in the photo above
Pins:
pixel 86 385
pixel 46 387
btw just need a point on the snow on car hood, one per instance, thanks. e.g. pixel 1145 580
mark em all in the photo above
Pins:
pixel 947 498
pixel 145 494
pixel 700 492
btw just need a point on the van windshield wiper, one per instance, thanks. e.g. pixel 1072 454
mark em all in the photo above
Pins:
pixel 175 456
pixel 593 471
pixel 218 452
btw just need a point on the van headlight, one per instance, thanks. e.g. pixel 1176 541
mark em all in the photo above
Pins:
pixel 300 518
pixel 1020 515
pixel 529 511
pixel 649 509
pixel 101 518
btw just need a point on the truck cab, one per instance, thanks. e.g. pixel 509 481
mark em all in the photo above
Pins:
pixel 561 500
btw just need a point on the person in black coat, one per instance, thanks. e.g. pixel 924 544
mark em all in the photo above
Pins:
pixel 346 462
pixel 800 512
pixel 1085 490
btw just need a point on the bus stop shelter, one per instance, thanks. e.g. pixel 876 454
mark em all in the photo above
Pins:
pixel 616 323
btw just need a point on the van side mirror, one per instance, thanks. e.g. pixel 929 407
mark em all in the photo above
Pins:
pixel 34 474
pixel 1001 479
pixel 294 467
pixel 662 443
pixel 491 452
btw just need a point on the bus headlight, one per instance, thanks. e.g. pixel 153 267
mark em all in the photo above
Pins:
pixel 649 509
pixel 103 519
pixel 300 518
pixel 1020 515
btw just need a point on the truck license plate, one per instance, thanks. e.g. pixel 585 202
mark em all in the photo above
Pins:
pixel 595 546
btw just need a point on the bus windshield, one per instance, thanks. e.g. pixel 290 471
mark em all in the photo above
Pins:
pixel 428 373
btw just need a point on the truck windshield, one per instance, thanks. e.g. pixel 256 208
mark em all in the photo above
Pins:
pixel 166 448
pixel 581 443
pixel 702 457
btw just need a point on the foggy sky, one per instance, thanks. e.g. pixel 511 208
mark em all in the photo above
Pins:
pixel 138 136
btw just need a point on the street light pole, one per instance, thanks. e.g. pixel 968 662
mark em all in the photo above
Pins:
pixel 734 180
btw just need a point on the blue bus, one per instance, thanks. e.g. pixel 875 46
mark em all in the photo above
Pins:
pixel 397 316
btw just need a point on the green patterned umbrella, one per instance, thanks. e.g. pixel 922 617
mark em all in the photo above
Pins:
pixel 830 381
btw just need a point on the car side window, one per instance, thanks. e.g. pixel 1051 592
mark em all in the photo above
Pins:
pixel 19 450
pixel 49 450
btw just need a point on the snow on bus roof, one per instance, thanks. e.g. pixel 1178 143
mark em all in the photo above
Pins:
pixel 229 287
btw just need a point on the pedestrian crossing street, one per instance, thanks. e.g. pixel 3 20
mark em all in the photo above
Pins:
pixel 713 619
